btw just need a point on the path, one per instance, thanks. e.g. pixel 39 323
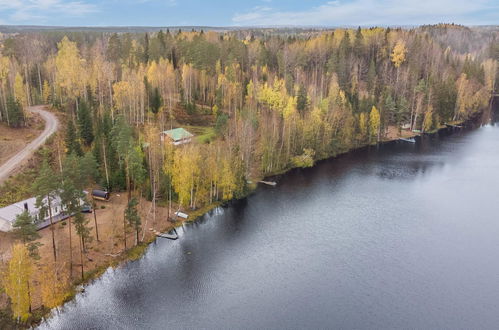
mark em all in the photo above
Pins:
pixel 51 125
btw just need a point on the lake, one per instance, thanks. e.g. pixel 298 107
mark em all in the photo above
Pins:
pixel 400 236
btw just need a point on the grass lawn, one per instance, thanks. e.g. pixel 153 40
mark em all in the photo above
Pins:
pixel 203 134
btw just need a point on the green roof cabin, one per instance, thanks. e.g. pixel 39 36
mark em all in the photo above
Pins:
pixel 176 136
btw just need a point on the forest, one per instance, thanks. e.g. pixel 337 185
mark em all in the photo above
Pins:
pixel 259 102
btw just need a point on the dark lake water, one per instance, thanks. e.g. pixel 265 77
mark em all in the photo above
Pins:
pixel 406 236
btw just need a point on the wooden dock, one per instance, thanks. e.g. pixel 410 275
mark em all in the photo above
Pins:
pixel 410 140
pixel 166 235
pixel 270 183
pixel 452 125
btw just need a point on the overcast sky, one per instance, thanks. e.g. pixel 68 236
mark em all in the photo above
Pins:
pixel 247 12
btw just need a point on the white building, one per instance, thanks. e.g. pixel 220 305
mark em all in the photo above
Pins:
pixel 9 213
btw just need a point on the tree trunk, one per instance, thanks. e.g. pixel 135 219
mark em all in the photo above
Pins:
pixel 52 228
pixel 5 104
pixel 70 250
pixel 124 230
pixel 95 221
pixel 81 258
pixel 105 164
pixel 40 81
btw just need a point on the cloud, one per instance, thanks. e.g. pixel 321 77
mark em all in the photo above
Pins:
pixel 37 11
pixel 376 12
pixel 168 3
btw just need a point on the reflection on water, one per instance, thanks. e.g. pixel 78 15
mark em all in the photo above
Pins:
pixel 404 236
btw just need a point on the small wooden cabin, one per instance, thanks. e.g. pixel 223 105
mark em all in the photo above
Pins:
pixel 100 195
pixel 177 136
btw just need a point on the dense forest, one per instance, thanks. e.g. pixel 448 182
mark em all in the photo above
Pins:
pixel 259 102
pixel 268 100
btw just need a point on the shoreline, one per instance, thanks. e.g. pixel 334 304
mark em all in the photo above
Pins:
pixel 138 251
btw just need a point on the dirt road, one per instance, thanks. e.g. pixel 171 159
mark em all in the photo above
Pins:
pixel 51 125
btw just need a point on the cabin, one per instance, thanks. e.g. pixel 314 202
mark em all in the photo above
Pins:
pixel 100 195
pixel 9 213
pixel 176 136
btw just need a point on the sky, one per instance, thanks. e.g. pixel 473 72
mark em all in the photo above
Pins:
pixel 247 12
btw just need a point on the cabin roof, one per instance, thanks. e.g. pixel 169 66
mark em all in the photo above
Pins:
pixel 178 134
pixel 9 213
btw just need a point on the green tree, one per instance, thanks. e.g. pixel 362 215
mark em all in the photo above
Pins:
pixel 358 44
pixel 45 188
pixel 155 100
pixel 302 100
pixel 25 230
pixel 88 168
pixel 304 160
pixel 71 140
pixel 133 218
pixel 85 127
pixel 15 112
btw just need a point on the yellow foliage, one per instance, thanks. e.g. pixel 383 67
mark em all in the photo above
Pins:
pixel 4 67
pixel 46 92
pixel 186 173
pixel 53 286
pixel 19 91
pixel 374 122
pixel 428 120
pixel 273 96
pixel 227 180
pixel 16 281
pixel 70 73
pixel 398 54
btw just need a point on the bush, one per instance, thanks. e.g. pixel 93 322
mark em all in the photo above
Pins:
pixel 304 160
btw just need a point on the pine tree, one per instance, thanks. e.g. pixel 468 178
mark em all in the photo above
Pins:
pixel 45 189
pixel 15 112
pixel 72 144
pixel 88 168
pixel 155 100
pixel 133 218
pixel 25 230
pixel 302 100
pixel 85 127
pixel 358 44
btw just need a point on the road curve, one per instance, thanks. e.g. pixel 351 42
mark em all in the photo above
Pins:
pixel 51 125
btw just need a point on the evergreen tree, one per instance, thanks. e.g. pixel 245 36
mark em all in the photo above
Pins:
pixel 358 44
pixel 133 218
pixel 45 189
pixel 15 112
pixel 85 127
pixel 302 100
pixel 25 230
pixel 155 100
pixel 88 168
pixel 71 140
